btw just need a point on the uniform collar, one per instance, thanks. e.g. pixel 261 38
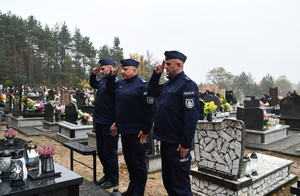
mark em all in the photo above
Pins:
pixel 180 75
pixel 131 79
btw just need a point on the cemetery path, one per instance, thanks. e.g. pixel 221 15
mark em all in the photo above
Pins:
pixel 154 183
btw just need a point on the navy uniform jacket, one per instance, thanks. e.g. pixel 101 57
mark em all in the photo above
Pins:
pixel 177 110
pixel 104 110
pixel 134 109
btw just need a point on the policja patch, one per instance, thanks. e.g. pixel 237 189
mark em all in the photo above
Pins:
pixel 189 103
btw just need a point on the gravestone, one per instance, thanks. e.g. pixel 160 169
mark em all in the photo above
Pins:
pixel 229 96
pixel 290 111
pixel 48 112
pixel 219 148
pixel 251 102
pixel 273 93
pixel 80 99
pixel 211 97
pixel 290 106
pixel 51 95
pixel 252 117
pixel 71 112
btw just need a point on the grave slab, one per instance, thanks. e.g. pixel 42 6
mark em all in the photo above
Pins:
pixel 26 122
pixel 273 173
pixel 74 132
pixel 267 136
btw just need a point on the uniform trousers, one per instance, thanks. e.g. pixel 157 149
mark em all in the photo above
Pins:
pixel 107 147
pixel 134 155
pixel 175 170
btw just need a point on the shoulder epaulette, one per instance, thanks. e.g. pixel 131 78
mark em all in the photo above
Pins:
pixel 144 81
pixel 186 78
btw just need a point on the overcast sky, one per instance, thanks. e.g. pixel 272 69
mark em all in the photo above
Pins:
pixel 254 36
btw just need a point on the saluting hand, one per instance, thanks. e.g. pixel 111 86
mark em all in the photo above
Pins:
pixel 159 68
pixel 115 70
pixel 183 151
pixel 95 70
pixel 143 137
pixel 113 130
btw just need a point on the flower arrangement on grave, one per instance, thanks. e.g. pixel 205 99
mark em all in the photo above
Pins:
pixel 10 133
pixel 267 123
pixel 85 118
pixel 209 108
pixel 60 110
pixel 3 98
pixel 30 104
pixel 46 151
pixel 46 156
pixel 225 106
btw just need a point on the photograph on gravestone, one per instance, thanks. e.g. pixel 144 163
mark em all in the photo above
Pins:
pixel 71 113
pixel 49 112
pixel 252 117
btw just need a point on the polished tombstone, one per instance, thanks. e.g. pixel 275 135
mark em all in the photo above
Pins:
pixel 219 152
pixel 251 102
pixel 71 112
pixel 290 111
pixel 49 112
pixel 273 92
pixel 65 184
pixel 49 123
pixel 252 117
pixel 212 97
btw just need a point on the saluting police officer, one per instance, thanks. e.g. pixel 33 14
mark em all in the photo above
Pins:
pixel 134 111
pixel 175 121
pixel 104 117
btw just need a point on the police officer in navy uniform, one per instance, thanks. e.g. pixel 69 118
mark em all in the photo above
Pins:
pixel 134 117
pixel 175 121
pixel 104 117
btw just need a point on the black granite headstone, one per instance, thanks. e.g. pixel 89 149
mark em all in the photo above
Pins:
pixel 48 112
pixel 229 96
pixel 80 98
pixel 273 93
pixel 290 106
pixel 51 95
pixel 211 97
pixel 251 102
pixel 71 112
pixel 252 117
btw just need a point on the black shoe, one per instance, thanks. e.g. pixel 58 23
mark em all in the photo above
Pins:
pixel 100 181
pixel 108 185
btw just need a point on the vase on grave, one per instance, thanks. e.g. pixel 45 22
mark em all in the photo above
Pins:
pixel 47 164
pixel 17 169
pixel 209 117
pixel 5 161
